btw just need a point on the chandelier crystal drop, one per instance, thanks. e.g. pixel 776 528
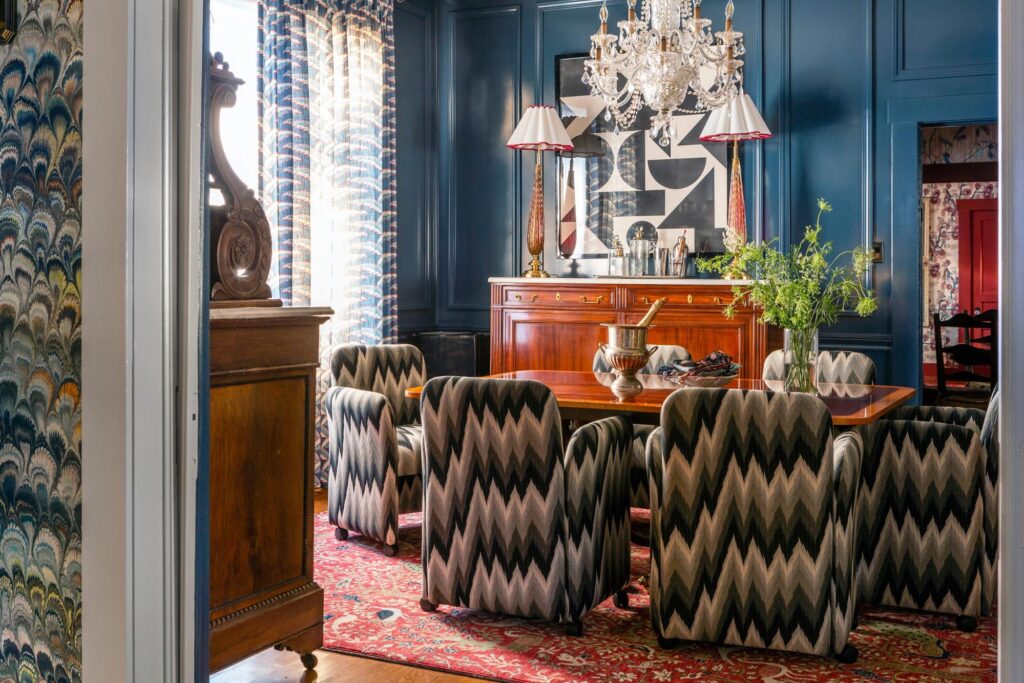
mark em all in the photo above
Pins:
pixel 660 57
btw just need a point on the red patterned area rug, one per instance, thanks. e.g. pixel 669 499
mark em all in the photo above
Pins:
pixel 371 608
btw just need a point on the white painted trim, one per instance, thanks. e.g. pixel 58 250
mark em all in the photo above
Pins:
pixel 106 635
pixel 1011 340
pixel 130 322
pixel 192 295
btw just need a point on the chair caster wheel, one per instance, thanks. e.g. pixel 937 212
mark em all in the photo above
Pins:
pixel 573 629
pixel 668 643
pixel 427 606
pixel 848 655
pixel 390 550
pixel 308 660
pixel 966 624
pixel 340 534
pixel 621 600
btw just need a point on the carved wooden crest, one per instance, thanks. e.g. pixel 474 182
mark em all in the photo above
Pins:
pixel 240 232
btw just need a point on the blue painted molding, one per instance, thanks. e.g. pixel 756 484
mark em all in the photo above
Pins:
pixel 416 87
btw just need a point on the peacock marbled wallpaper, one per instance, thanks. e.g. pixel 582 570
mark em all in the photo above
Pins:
pixel 40 344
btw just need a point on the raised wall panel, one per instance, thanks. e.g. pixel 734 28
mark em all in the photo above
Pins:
pixel 828 121
pixel 945 38
pixel 416 112
pixel 484 105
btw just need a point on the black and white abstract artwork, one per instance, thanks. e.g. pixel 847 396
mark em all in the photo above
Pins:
pixel 681 189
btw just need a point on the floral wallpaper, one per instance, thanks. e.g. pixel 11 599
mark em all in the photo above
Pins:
pixel 942 254
pixel 40 344
pixel 959 144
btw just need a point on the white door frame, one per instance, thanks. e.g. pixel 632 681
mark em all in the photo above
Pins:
pixel 141 244
pixel 1011 339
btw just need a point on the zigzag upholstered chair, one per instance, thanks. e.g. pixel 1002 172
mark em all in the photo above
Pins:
pixel 753 522
pixel 512 522
pixel 664 355
pixel 929 526
pixel 833 367
pixel 375 441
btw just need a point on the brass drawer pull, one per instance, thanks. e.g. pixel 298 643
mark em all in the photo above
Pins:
pixel 718 300
pixel 646 301
pixel 583 300
pixel 689 298
pixel 533 299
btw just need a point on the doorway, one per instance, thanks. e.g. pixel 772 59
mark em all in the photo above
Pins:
pixel 960 250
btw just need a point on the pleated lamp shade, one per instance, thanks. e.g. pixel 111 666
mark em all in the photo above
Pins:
pixel 540 129
pixel 737 120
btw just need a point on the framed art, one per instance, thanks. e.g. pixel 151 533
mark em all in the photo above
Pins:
pixel 615 179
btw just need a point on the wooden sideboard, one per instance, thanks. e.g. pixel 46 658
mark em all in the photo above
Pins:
pixel 555 324
pixel 263 361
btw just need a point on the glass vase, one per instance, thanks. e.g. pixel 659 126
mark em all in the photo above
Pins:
pixel 801 359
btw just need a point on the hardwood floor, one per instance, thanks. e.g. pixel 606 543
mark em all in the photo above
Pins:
pixel 271 666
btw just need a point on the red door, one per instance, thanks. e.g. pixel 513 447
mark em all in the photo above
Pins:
pixel 979 254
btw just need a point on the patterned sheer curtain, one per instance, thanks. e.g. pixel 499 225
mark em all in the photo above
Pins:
pixel 327 174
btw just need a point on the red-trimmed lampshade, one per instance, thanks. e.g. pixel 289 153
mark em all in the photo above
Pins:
pixel 540 129
pixel 736 120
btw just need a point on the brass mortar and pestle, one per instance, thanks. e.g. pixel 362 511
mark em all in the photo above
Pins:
pixel 627 352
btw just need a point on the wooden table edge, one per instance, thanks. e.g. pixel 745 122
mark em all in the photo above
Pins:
pixel 899 396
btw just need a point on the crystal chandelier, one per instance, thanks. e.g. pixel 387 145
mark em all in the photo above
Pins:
pixel 668 52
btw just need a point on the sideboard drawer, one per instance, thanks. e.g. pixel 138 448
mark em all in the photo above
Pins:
pixel 643 297
pixel 550 296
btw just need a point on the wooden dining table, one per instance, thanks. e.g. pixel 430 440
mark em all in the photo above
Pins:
pixel 588 395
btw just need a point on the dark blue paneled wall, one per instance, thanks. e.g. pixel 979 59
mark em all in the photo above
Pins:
pixel 844 84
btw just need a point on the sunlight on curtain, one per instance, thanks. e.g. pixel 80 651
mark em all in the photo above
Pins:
pixel 328 167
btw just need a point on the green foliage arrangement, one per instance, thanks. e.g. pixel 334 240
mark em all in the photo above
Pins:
pixel 803 289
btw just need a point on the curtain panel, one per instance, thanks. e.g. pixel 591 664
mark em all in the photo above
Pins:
pixel 326 80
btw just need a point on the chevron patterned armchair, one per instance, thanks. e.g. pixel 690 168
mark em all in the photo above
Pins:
pixel 753 510
pixel 664 355
pixel 375 440
pixel 833 367
pixel 512 522
pixel 929 530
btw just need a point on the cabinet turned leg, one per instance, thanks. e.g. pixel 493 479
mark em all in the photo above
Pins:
pixel 308 660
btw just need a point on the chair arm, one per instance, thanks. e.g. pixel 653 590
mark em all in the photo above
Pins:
pixel 597 465
pixel 963 417
pixel 362 484
pixel 848 453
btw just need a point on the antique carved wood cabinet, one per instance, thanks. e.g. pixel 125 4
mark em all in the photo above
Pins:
pixel 555 324
pixel 263 362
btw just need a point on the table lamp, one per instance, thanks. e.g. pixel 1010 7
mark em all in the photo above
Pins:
pixel 737 120
pixel 540 130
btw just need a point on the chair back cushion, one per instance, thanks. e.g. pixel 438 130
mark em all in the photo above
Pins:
pixel 845 367
pixel 387 369
pixel 663 355
pixel 493 483
pixel 833 367
pixel 743 524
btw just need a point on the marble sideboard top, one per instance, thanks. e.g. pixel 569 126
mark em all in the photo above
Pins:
pixel 564 281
